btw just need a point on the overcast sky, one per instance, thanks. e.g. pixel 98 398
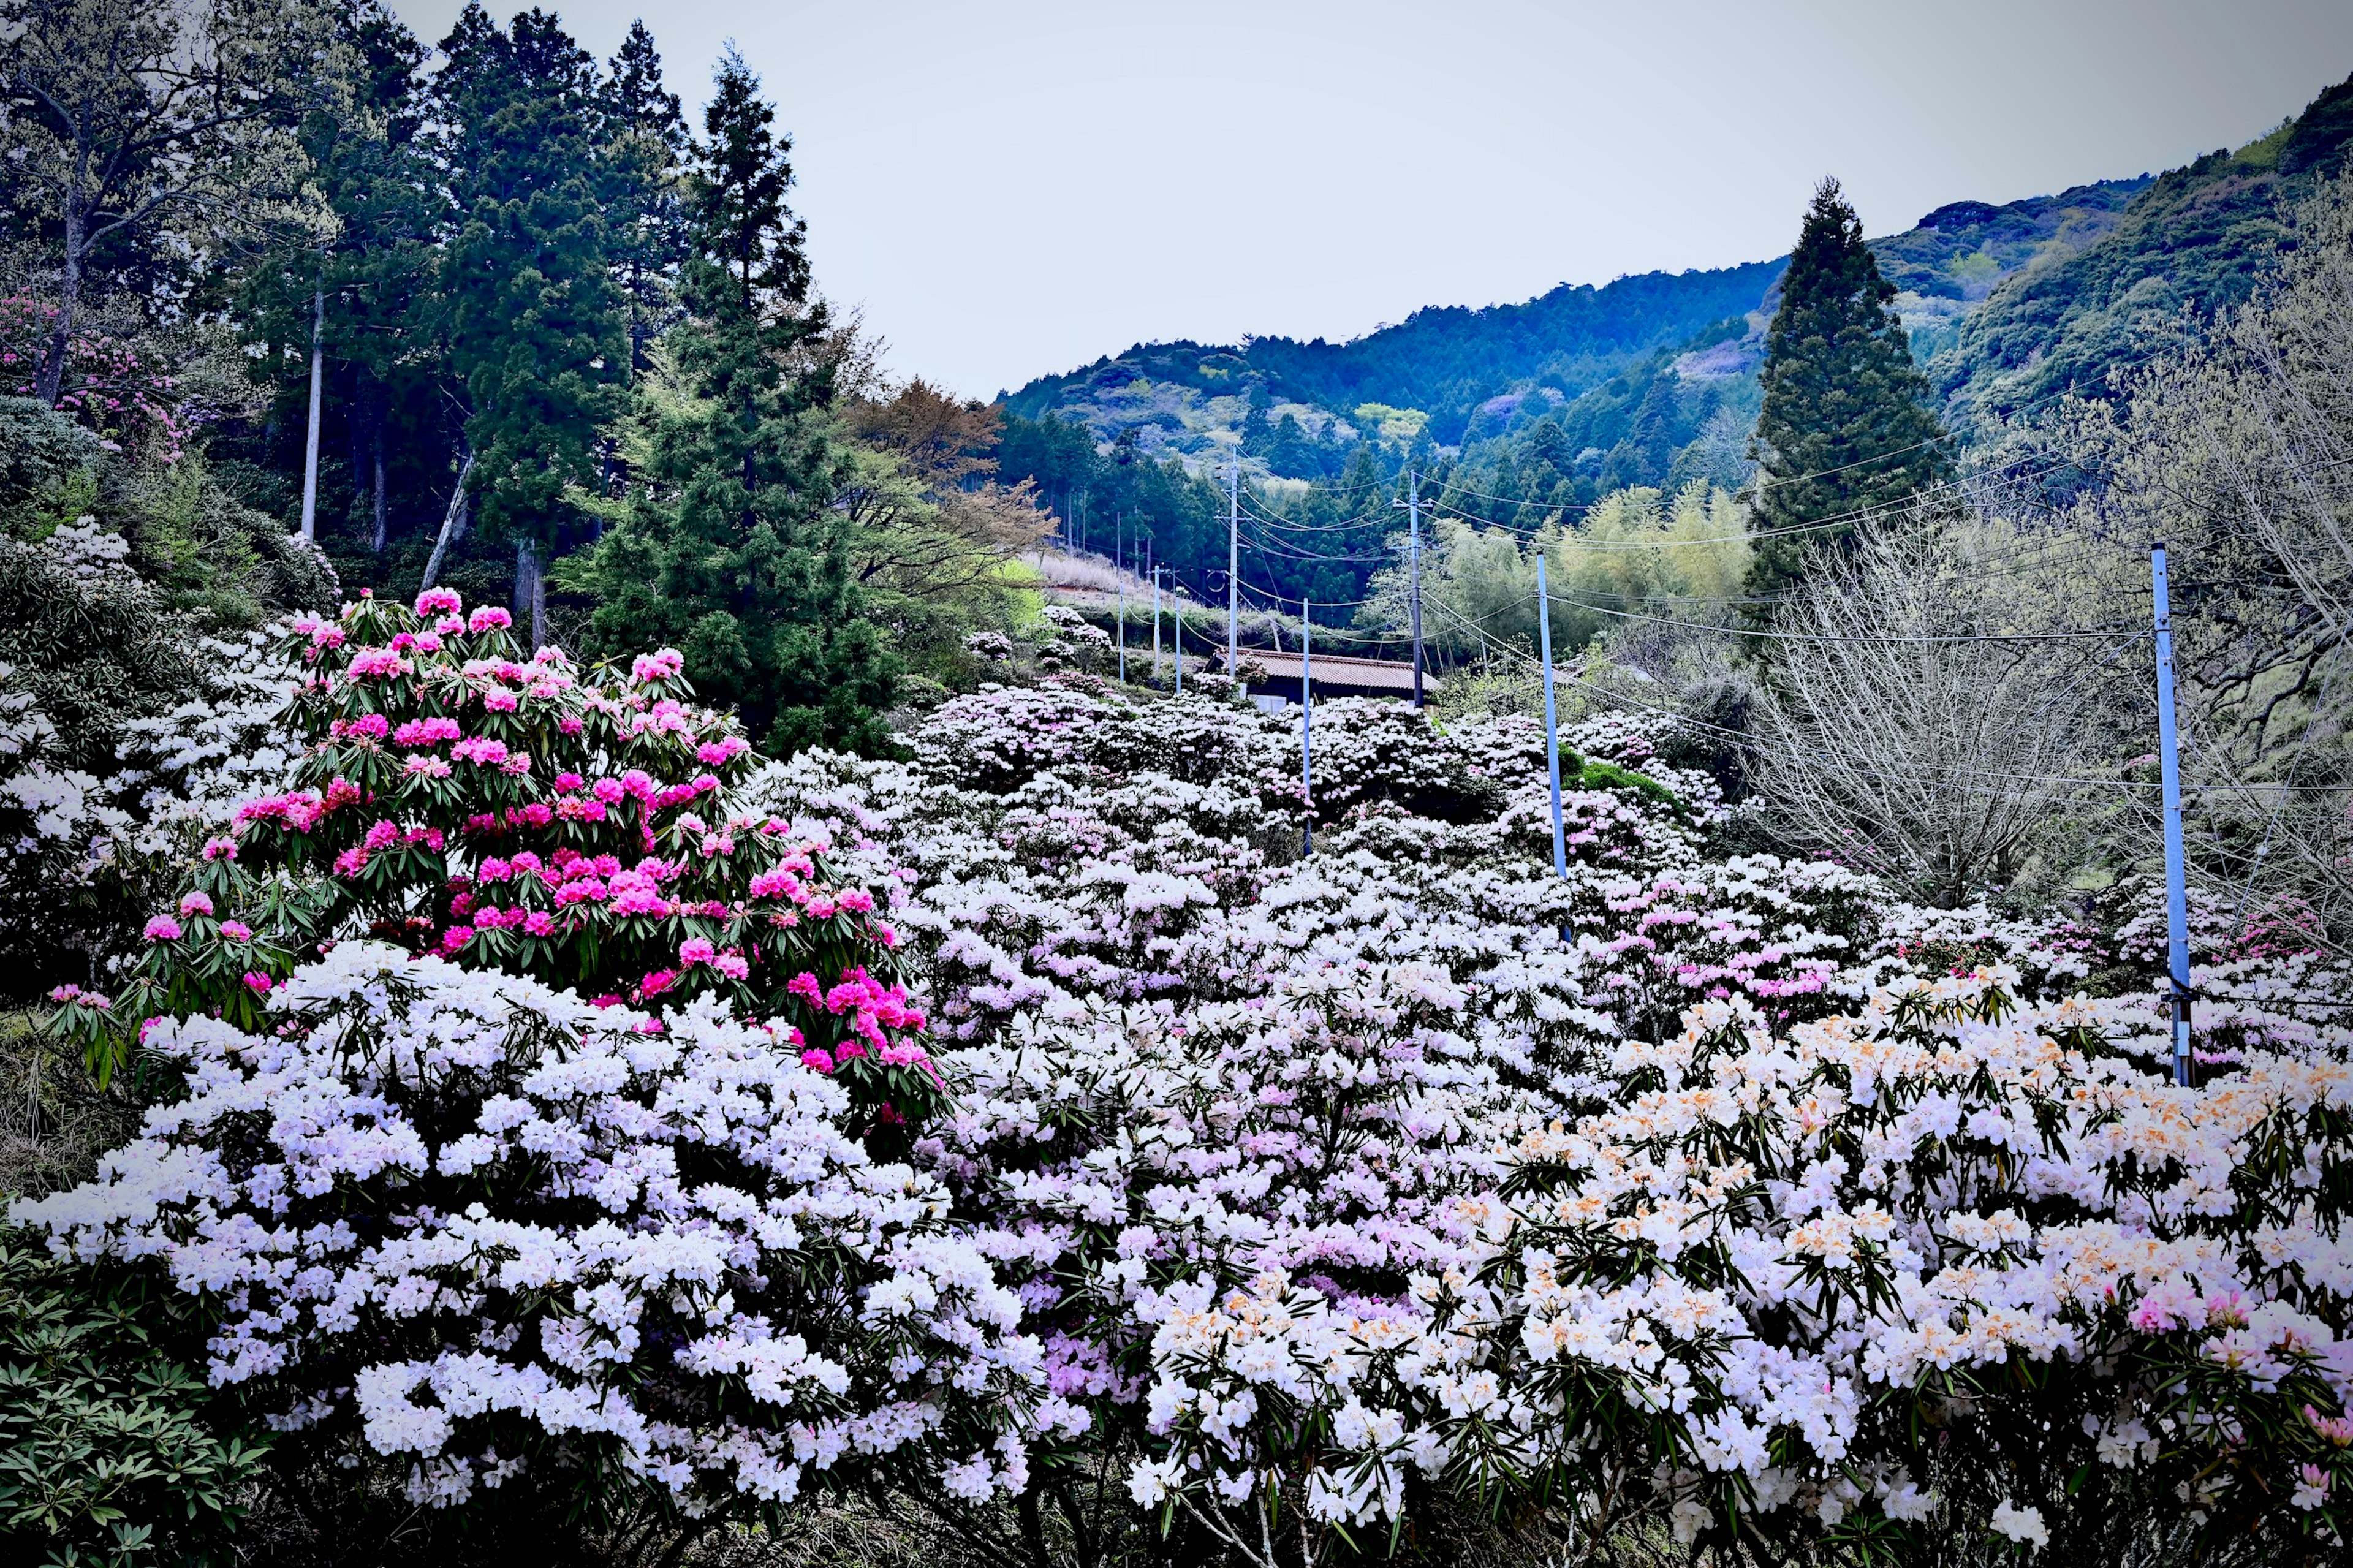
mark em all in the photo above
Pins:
pixel 1011 189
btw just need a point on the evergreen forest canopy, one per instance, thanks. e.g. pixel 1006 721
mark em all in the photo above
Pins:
pixel 624 945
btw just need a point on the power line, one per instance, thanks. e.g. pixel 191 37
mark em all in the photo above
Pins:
pixel 2113 634
pixel 1687 719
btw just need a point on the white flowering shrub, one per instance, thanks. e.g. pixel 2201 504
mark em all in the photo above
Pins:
pixel 1234 1202
pixel 1346 1189
pixel 481 1227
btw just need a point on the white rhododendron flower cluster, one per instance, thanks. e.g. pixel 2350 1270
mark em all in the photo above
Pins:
pixel 1277 1196
pixel 452 1215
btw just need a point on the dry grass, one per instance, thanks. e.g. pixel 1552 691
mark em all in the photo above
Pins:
pixel 54 1123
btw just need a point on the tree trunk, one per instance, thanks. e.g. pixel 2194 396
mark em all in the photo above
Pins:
pixel 379 481
pixel 531 592
pixel 453 523
pixel 50 380
pixel 310 443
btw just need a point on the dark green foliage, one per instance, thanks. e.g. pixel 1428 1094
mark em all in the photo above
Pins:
pixel 646 143
pixel 112 1451
pixel 536 326
pixel 2188 246
pixel 734 553
pixel 93 651
pixel 45 459
pixel 1845 429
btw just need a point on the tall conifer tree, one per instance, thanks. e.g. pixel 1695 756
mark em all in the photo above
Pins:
pixel 534 322
pixel 734 552
pixel 645 150
pixel 1845 426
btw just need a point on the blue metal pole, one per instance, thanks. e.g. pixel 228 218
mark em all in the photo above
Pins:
pixel 1307 721
pixel 2176 890
pixel 1552 722
pixel 1123 633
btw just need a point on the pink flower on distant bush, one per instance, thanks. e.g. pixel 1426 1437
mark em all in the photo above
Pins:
pixel 694 950
pixel 163 928
pixel 236 931
pixel 664 665
pixel 438 602
pixel 376 661
pixel 425 732
pixel 488 617
pixel 196 904
pixel 220 848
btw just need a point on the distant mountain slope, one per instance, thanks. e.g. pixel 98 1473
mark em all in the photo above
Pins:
pixel 1445 358
pixel 2193 242
pixel 1442 361
pixel 1469 374
pixel 1648 379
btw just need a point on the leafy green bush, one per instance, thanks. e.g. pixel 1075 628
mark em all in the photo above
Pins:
pixel 107 1451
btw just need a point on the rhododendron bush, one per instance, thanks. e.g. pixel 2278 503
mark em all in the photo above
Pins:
pixel 548 1096
pixel 526 816
pixel 481 1226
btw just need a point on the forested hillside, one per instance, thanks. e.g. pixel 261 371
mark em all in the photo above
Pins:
pixel 1463 376
pixel 2193 243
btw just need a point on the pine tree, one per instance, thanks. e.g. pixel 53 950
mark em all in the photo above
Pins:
pixel 534 322
pixel 733 551
pixel 1845 428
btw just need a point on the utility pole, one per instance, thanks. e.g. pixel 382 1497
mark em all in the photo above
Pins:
pixel 1123 633
pixel 1307 723
pixel 1155 626
pixel 1412 505
pixel 2176 890
pixel 311 445
pixel 1552 722
pixel 1234 569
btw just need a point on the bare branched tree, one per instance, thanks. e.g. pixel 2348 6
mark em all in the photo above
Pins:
pixel 1939 697
pixel 2239 454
